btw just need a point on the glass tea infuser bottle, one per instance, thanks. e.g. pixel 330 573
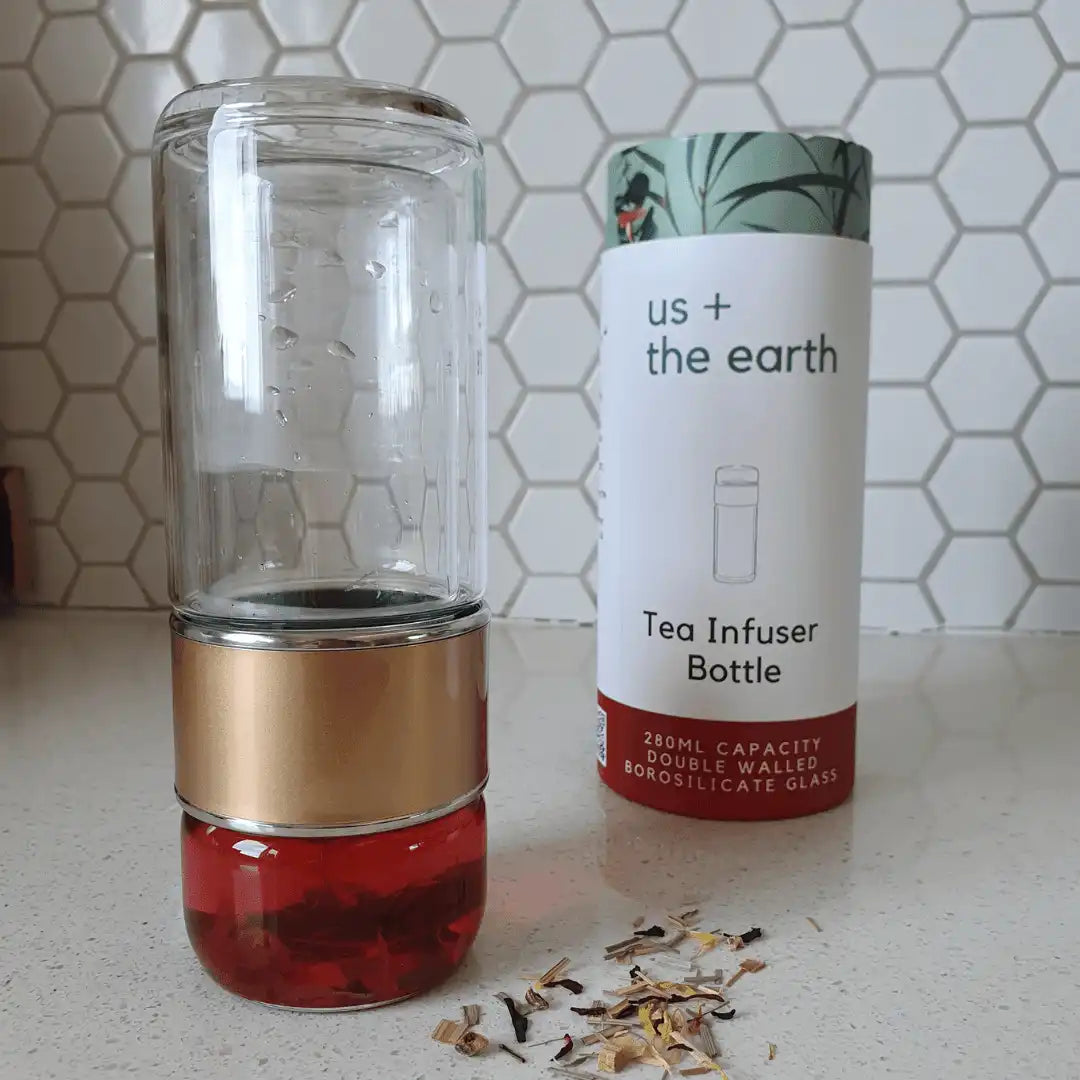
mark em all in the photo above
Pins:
pixel 320 276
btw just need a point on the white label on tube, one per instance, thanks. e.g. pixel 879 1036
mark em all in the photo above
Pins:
pixel 733 434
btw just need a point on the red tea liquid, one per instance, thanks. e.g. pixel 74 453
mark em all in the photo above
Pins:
pixel 338 922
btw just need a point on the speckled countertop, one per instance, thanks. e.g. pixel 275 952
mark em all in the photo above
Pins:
pixel 946 890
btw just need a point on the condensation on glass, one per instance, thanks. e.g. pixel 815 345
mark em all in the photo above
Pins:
pixel 320 256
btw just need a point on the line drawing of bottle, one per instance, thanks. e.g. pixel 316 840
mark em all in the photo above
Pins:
pixel 735 524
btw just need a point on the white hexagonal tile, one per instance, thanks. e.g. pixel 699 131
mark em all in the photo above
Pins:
pixel 477 18
pixel 227 45
pixel 914 34
pixel 309 62
pixel 504 481
pixel 626 101
pixel 552 239
pixel 63 7
pixel 982 484
pixel 814 77
pixel 54 566
pixel 143 89
pixel 23 115
pixel 900 533
pixel 47 477
pixel 554 138
pixel 504 388
pixel 1062 19
pixel 151 566
pixel 985 384
pixel 908 122
pixel 553 340
pixel 737 106
pixel 1057 122
pixel 81 157
pixel 724 40
pixel 74 60
pixel 85 251
pixel 633 16
pixel 387 40
pixel 137 294
pixel 475 76
pixel 106 587
pixel 1054 333
pixel 146 478
pixel 148 26
pixel 324 498
pixel 278 530
pixel 888 605
pixel 314 22
pixel 975 72
pixel 904 434
pixel 1049 534
pixel 89 343
pixel 1052 435
pixel 29 391
pixel 325 551
pixel 982 192
pixel 372 527
pixel 141 388
pixel 812 11
pixel 911 231
pixel 27 301
pixel 978 582
pixel 553 435
pixel 908 335
pixel 504 573
pixel 554 597
pixel 95 434
pixel 551 42
pixel 1000 7
pixel 1056 229
pixel 22 18
pixel 26 208
pixel 131 202
pixel 1051 607
pixel 982 301
pixel 100 521
pixel 503 289
pixel 503 188
pixel 554 529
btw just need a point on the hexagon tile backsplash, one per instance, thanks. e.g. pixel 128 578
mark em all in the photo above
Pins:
pixel 970 106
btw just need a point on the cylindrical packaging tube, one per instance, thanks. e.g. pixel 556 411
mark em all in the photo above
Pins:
pixel 734 368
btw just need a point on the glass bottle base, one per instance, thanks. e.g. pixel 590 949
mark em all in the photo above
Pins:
pixel 337 923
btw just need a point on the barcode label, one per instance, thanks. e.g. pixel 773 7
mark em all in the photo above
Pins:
pixel 601 736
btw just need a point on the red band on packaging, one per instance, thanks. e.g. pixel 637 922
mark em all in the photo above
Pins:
pixel 727 770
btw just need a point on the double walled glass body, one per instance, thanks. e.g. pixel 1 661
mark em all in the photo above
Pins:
pixel 321 277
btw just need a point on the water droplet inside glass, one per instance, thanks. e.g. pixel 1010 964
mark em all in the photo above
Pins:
pixel 370 415
pixel 435 302
pixel 262 317
pixel 389 220
pixel 284 239
pixel 423 279
pixel 273 391
pixel 283 293
pixel 331 258
pixel 375 269
pixel 292 389
pixel 283 337
pixel 296 455
pixel 281 418
pixel 341 350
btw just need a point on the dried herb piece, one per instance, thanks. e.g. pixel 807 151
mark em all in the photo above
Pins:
pixel 815 924
pixel 513 1053
pixel 471 1015
pixel 449 1031
pixel 569 984
pixel 471 1043
pixel 609 1060
pixel 592 1010
pixel 752 934
pixel 619 946
pixel 536 1001
pixel 652 931
pixel 517 1018
pixel 772 1051
pixel 729 1014
pixel 707 941
pixel 567 1046
pixel 749 965
pixel 715 979
pixel 708 1043
pixel 552 975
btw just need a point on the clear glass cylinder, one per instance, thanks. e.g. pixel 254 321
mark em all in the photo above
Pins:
pixel 322 331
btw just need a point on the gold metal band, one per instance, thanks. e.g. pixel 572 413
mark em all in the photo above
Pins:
pixel 329 738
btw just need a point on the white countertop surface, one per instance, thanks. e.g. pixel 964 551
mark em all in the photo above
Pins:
pixel 948 889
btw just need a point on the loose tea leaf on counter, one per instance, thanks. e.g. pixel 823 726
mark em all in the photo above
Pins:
pixel 728 1015
pixel 552 975
pixel 536 1001
pixel 567 1046
pixel 652 931
pixel 517 1018
pixel 471 1043
pixel 569 984
pixel 592 1010
pixel 471 1015
pixel 449 1032
pixel 513 1053
pixel 815 924
pixel 748 966
pixel 772 1051
pixel 752 934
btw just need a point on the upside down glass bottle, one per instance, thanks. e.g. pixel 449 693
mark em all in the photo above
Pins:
pixel 320 280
